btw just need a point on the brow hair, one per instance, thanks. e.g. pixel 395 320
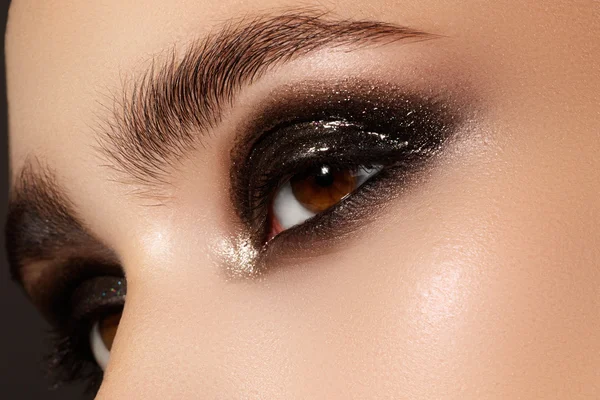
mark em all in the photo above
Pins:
pixel 43 226
pixel 161 117
pixel 41 219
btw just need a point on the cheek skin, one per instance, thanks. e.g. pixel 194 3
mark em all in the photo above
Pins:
pixel 484 284
pixel 441 299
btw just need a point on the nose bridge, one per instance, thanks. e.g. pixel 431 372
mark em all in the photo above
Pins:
pixel 156 345
pixel 190 331
pixel 171 284
pixel 148 356
pixel 196 336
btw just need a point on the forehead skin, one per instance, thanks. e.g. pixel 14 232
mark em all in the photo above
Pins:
pixel 482 285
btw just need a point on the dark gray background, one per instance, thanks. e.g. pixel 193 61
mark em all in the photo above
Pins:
pixel 23 334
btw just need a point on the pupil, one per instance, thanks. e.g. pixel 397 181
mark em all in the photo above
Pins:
pixel 324 177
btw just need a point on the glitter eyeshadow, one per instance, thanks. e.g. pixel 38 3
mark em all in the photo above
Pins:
pixel 344 124
pixel 100 293
pixel 115 290
pixel 239 256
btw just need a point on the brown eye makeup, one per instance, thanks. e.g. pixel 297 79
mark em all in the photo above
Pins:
pixel 344 148
pixel 310 163
pixel 343 127
pixel 79 280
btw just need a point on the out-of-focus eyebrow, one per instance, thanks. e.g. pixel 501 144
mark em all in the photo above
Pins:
pixel 162 116
pixel 43 232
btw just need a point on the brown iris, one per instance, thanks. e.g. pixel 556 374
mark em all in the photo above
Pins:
pixel 107 327
pixel 320 189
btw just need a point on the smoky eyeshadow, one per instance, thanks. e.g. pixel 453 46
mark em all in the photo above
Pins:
pixel 345 124
pixel 98 296
pixel 71 286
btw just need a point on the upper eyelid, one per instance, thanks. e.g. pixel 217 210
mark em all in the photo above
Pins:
pixel 46 240
pixel 361 99
pixel 395 112
pixel 101 292
pixel 150 125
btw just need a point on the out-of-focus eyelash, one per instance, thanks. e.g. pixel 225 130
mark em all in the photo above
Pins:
pixel 347 128
pixel 71 359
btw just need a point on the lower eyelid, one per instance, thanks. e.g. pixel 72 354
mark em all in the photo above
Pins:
pixel 290 212
pixel 331 226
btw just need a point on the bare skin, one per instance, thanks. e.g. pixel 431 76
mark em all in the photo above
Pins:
pixel 481 281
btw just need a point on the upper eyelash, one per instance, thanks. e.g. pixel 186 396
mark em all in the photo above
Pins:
pixel 72 341
pixel 417 125
pixel 266 184
pixel 71 358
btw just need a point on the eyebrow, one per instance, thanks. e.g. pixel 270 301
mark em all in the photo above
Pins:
pixel 38 204
pixel 43 229
pixel 161 117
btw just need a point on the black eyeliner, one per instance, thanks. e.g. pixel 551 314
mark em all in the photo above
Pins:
pixel 356 123
pixel 352 124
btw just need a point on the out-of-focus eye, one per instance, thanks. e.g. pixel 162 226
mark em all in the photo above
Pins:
pixel 102 336
pixel 312 192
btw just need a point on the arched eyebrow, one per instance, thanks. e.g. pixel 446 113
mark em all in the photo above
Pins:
pixel 162 117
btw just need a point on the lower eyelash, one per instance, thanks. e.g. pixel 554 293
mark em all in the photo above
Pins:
pixel 70 360
pixel 334 224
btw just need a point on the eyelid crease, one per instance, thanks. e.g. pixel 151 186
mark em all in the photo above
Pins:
pixel 359 122
pixel 158 119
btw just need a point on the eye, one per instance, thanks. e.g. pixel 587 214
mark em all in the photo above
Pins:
pixel 316 163
pixel 102 336
pixel 84 338
pixel 312 192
